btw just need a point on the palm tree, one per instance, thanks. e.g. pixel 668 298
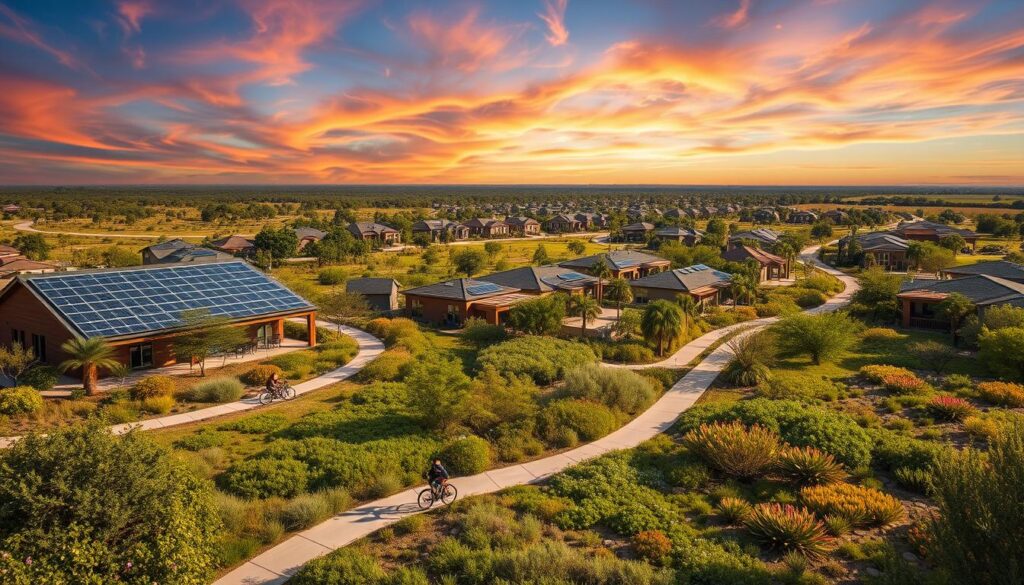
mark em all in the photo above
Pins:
pixel 601 269
pixel 586 308
pixel 743 287
pixel 662 321
pixel 689 307
pixel 90 355
pixel 620 292
pixel 955 308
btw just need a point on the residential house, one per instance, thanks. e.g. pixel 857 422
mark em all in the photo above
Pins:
pixel 523 226
pixel 590 221
pixel 999 268
pixel 764 237
pixel 235 245
pixel 374 232
pixel 676 214
pixel 544 280
pixel 766 215
pixel 628 264
pixel 381 294
pixel 836 216
pixel 933 232
pixel 440 230
pixel 451 302
pixel 918 300
pixel 772 267
pixel 802 217
pixel 702 283
pixel 308 235
pixel 180 251
pixel 487 227
pixel 11 208
pixel 883 249
pixel 561 224
pixel 683 235
pixel 138 310
pixel 637 232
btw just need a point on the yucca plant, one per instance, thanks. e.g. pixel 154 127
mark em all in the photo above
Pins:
pixel 860 505
pixel 915 479
pixel 950 408
pixel 837 525
pixel 809 466
pixel 786 528
pixel 734 449
pixel 733 510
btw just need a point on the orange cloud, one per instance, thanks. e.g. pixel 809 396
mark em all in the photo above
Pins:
pixel 21 30
pixel 735 19
pixel 554 17
pixel 466 44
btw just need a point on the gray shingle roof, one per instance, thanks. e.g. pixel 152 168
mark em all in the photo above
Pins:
pixel 676 231
pixel 980 289
pixel 1000 268
pixel 618 259
pixel 684 279
pixel 371 286
pixel 458 289
pixel 764 235
pixel 540 278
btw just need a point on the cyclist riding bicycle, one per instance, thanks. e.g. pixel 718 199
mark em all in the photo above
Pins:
pixel 438 475
pixel 274 383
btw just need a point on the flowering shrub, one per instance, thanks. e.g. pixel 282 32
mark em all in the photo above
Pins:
pixel 259 375
pixel 875 373
pixel 1002 393
pixel 950 408
pixel 809 466
pixel 733 510
pixel 652 545
pixel 862 506
pixel 903 384
pixel 788 528
pixel 151 386
pixel 980 428
pixel 734 449
pixel 20 400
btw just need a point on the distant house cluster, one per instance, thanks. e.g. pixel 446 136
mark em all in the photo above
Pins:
pixel 13 263
pixel 888 249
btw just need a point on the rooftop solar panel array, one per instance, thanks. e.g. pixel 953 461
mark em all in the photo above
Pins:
pixel 570 276
pixel 137 301
pixel 482 288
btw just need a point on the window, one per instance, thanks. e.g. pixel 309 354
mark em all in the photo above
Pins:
pixel 18 336
pixel 38 346
pixel 140 356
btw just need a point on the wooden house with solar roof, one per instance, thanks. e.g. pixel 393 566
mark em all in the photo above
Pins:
pixel 451 302
pixel 138 310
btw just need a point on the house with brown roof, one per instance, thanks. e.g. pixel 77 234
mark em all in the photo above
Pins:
pixel 562 224
pixel 440 230
pixel 373 232
pixel 701 282
pixel 929 231
pixel 180 251
pixel 545 280
pixel 487 227
pixel 236 245
pixel 772 267
pixel 918 300
pixel 763 237
pixel 451 302
pixel 628 264
pixel 523 226
pixel 308 235
pixel 637 232
pixel 680 234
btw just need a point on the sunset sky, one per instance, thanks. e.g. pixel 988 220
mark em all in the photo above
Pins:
pixel 527 91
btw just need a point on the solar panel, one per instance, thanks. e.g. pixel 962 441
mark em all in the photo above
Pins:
pixel 571 276
pixel 138 301
pixel 483 289
pixel 624 263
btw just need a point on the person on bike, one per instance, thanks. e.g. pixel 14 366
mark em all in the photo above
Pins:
pixel 274 383
pixel 437 475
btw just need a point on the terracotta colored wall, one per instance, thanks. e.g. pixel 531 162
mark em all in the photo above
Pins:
pixel 20 309
pixel 434 310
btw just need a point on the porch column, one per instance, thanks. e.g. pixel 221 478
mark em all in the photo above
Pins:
pixel 311 328
pixel 279 328
pixel 906 303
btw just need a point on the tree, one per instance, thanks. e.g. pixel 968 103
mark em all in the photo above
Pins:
pixel 753 356
pixel 821 231
pixel 690 309
pixel 586 308
pixel 1002 351
pixel 540 256
pixel 619 292
pixel 33 246
pixel 877 293
pixel 205 335
pixel 87 506
pixel 929 257
pixel 577 247
pixel 469 261
pixel 743 286
pixel 492 249
pixel 954 308
pixel 822 337
pixel 542 316
pixel 15 360
pixel 280 243
pixel 662 321
pixel 438 391
pixel 976 535
pixel 89 355
pixel 953 242
pixel 601 268
pixel 340 304
pixel 629 323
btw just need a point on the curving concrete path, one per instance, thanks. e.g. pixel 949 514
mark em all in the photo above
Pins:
pixel 277 564
pixel 26 226
pixel 369 348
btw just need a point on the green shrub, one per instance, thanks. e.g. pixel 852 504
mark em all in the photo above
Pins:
pixel 957 382
pixel 585 419
pixel 877 372
pixel 344 566
pixel 223 389
pixel 259 424
pixel 390 366
pixel 264 477
pixel 753 356
pixel 893 450
pixel 811 298
pixel 617 388
pixel 204 438
pixel 875 334
pixel 119 413
pixel 821 337
pixel 701 561
pixel 798 424
pixel 152 386
pixel 733 510
pixel 158 404
pixel 39 377
pixel 467 456
pixel 545 359
pixel 860 505
pixel 917 480
pixel 481 333
pixel 305 510
pixel 331 275
pixel 788 528
pixel 298 364
pixel 258 375
pixel 625 352
pixel 734 449
pixel 809 466
pixel 801 388
pixel 20 400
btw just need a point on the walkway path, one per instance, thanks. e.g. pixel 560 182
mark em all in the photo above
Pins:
pixel 369 348
pixel 280 562
pixel 26 226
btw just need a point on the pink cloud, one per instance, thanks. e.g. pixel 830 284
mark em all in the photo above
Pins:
pixel 554 17
pixel 22 30
pixel 130 15
pixel 735 19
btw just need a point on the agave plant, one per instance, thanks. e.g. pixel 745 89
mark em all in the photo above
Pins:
pixel 809 466
pixel 733 510
pixel 734 449
pixel 786 528
pixel 950 408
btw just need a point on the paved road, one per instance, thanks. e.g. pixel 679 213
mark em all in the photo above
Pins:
pixel 277 564
pixel 369 348
pixel 26 226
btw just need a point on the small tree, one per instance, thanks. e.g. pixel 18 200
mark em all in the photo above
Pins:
pixel 953 242
pixel 601 269
pixel 619 292
pixel 822 337
pixel 955 308
pixel 629 323
pixel 280 243
pixel 586 308
pixel 541 316
pixel 929 257
pixel 821 231
pixel 577 247
pixel 15 360
pixel 438 391
pixel 662 321
pixel 205 335
pixel 492 249
pixel 89 355
pixel 33 246
pixel 1002 351
pixel 340 304
pixel 540 255
pixel 690 309
pixel 470 261
pixel 743 287
pixel 121 372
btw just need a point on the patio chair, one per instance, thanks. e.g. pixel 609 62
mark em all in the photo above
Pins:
pixel 275 341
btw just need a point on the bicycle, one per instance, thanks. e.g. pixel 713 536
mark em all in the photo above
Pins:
pixel 285 392
pixel 445 492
